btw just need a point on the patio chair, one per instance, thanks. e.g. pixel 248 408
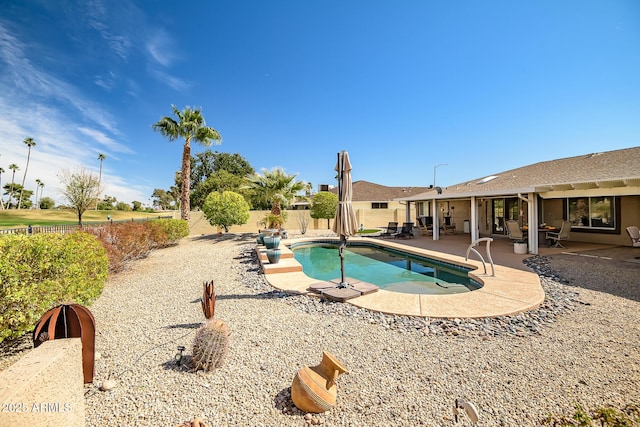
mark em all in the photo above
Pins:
pixel 514 231
pixel 449 226
pixel 406 232
pixel 563 234
pixel 392 230
pixel 634 234
pixel 425 224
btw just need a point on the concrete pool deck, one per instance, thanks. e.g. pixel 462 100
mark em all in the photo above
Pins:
pixel 509 292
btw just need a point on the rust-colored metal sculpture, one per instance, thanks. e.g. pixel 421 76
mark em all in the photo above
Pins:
pixel 70 321
pixel 208 300
pixel 314 388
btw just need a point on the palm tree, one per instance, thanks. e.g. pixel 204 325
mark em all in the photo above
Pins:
pixel 30 143
pixel 190 125
pixel 14 168
pixel 277 187
pixel 38 182
pixel 1 203
pixel 41 184
pixel 101 157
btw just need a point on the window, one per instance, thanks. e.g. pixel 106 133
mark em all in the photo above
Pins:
pixel 379 205
pixel 592 212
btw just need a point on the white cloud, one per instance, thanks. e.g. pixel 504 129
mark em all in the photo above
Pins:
pixel 161 48
pixel 175 83
pixel 104 140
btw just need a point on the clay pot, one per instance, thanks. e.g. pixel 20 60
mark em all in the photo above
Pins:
pixel 314 388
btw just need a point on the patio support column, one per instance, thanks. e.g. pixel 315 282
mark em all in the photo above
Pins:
pixel 532 211
pixel 407 215
pixel 436 223
pixel 475 233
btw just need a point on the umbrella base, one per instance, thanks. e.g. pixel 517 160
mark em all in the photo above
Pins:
pixel 340 294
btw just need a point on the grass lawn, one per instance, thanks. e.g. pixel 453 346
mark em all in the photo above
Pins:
pixel 16 218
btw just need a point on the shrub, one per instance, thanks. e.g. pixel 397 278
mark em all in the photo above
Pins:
pixel 175 229
pixel 129 241
pixel 44 270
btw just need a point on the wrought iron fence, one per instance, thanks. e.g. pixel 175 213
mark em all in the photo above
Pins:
pixel 70 228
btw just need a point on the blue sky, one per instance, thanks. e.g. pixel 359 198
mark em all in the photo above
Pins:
pixel 482 87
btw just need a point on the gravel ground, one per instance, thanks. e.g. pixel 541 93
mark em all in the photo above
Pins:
pixel 582 346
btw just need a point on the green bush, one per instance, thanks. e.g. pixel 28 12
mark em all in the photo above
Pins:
pixel 44 270
pixel 175 229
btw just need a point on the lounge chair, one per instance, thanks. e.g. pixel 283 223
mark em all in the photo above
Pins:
pixel 392 230
pixel 406 232
pixel 449 226
pixel 514 231
pixel 563 234
pixel 425 224
pixel 634 234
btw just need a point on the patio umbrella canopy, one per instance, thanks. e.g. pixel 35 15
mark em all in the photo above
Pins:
pixel 345 224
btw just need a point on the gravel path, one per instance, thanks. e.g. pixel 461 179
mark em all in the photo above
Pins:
pixel 582 347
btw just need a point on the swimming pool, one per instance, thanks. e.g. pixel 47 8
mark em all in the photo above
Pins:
pixel 389 269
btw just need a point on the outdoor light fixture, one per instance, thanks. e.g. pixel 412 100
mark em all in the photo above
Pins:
pixel 434 174
pixel 178 356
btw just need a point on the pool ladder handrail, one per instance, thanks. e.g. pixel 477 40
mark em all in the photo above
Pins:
pixel 488 251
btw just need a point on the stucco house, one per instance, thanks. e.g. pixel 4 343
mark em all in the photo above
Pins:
pixel 375 205
pixel 599 193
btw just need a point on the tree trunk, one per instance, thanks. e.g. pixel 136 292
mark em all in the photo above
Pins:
pixel 185 203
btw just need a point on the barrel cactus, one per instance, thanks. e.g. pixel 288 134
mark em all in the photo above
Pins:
pixel 210 345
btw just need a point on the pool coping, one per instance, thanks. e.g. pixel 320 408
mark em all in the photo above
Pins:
pixel 509 292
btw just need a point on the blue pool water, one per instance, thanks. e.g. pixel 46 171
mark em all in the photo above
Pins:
pixel 388 269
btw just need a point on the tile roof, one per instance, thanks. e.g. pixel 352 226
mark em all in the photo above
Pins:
pixel 365 191
pixel 617 168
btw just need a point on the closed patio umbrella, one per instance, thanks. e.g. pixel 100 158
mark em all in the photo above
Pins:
pixel 345 224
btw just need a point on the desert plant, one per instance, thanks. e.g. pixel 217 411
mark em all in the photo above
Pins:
pixel 303 222
pixel 210 345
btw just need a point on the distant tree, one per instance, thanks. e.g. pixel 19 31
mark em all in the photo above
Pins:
pixel 30 143
pixel 324 205
pixel 14 168
pixel 47 203
pixel 226 209
pixel 108 203
pixel 220 181
pixel 38 182
pixel 14 190
pixel 80 189
pixel 137 206
pixel 190 125
pixel 162 199
pixel 122 206
pixel 214 171
pixel 101 157
pixel 41 185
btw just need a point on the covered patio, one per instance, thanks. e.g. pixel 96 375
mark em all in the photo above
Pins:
pixel 501 248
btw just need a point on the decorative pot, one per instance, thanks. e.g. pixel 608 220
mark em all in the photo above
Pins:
pixel 272 242
pixel 260 239
pixel 520 248
pixel 314 388
pixel 273 255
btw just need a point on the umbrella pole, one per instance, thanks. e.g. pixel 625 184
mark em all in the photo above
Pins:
pixel 343 239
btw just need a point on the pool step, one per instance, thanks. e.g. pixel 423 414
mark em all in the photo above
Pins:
pixel 287 263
